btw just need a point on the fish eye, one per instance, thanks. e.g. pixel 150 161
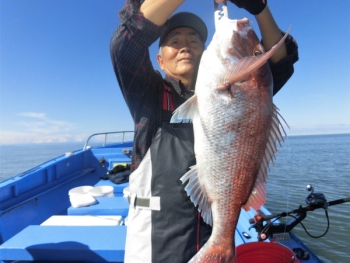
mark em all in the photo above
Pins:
pixel 257 53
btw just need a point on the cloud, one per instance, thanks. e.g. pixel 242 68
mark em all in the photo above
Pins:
pixel 7 137
pixel 32 115
pixel 46 126
pixel 38 128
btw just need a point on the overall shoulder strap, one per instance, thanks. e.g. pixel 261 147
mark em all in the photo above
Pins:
pixel 168 103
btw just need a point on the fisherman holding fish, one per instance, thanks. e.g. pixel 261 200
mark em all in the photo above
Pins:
pixel 163 224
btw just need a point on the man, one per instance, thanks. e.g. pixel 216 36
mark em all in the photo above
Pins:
pixel 163 224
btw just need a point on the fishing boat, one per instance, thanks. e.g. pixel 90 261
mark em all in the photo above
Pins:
pixel 42 218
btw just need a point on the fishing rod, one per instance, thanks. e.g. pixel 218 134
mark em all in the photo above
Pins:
pixel 313 200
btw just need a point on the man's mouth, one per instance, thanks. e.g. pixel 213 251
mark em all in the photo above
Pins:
pixel 186 59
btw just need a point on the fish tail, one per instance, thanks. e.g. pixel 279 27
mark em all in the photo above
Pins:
pixel 218 253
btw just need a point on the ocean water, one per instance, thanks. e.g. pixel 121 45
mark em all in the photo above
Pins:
pixel 15 159
pixel 324 162
pixel 320 160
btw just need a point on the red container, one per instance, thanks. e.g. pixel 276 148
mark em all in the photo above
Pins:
pixel 264 252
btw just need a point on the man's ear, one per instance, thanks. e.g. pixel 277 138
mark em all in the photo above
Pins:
pixel 160 61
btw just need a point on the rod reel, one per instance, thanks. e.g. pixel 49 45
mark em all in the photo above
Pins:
pixel 265 224
pixel 317 200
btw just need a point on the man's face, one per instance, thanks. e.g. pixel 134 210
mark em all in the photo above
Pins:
pixel 181 52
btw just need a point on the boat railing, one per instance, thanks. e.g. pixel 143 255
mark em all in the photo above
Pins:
pixel 105 134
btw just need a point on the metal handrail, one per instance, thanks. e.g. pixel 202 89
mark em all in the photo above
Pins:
pixel 105 139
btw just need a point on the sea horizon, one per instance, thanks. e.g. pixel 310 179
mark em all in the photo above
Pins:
pixel 84 141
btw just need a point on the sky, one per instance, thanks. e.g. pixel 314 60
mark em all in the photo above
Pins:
pixel 57 82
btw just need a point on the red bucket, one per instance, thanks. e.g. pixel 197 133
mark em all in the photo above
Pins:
pixel 264 252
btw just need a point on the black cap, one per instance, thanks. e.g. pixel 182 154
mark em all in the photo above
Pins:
pixel 186 19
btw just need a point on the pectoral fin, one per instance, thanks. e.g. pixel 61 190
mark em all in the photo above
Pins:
pixel 187 111
pixel 245 66
pixel 197 195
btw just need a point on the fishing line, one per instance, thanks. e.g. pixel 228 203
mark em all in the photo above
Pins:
pixel 288 182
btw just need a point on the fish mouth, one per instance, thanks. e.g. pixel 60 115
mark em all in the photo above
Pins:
pixel 243 21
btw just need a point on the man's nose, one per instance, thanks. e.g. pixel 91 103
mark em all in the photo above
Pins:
pixel 186 48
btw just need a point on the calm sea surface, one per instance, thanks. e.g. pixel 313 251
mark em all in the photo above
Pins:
pixel 320 160
pixel 324 162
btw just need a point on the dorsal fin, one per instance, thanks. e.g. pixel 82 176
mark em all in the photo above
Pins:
pixel 258 195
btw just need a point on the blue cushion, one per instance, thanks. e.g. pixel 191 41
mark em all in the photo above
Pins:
pixel 83 243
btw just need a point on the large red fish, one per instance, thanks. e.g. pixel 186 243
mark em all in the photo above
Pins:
pixel 236 127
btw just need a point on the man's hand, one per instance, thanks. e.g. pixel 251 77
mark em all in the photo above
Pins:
pixel 254 7
pixel 158 11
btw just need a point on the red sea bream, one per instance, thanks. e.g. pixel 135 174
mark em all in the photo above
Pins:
pixel 236 128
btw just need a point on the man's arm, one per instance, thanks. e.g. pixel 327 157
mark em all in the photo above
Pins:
pixel 130 57
pixel 271 34
pixel 140 25
pixel 158 11
pixel 281 63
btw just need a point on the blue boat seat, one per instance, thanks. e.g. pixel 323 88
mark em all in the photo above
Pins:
pixel 66 243
pixel 117 205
